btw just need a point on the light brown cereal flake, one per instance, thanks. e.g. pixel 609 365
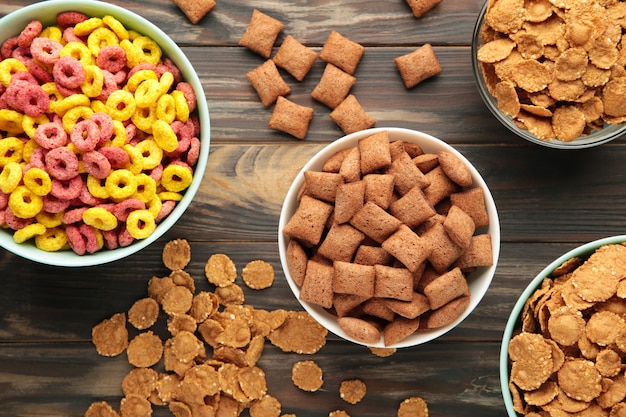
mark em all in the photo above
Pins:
pixel 579 379
pixel 144 350
pixel 186 346
pixel 177 300
pixel 252 382
pixel 352 390
pixel 608 362
pixel 603 327
pixel 382 351
pixel 571 64
pixel 542 395
pixel 300 333
pixel 179 409
pixel 176 254
pixel 258 274
pixel 532 75
pixel 143 313
pixel 267 406
pixel 597 278
pixel 110 336
pixel 507 97
pixel 100 409
pixel 230 295
pixel 528 45
pixel 203 305
pixel 566 267
pixel 140 381
pixel 529 347
pixel 307 375
pixel 537 10
pixel 220 270
pixel 568 123
pixel 338 413
pixel 413 407
pixel 530 375
pixel 506 16
pixel 495 50
pixel 135 406
pixel 567 327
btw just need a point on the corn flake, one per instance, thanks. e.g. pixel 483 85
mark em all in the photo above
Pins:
pixel 110 336
pixel 220 270
pixel 307 375
pixel 413 407
pixel 258 275
pixel 352 390
pixel 300 333
pixel 176 254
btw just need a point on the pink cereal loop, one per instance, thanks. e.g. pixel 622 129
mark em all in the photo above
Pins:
pixel 124 237
pixel 67 189
pixel 171 67
pixel 27 97
pixel 96 164
pixel 75 239
pixel 30 32
pixel 110 239
pixel 15 222
pixel 45 50
pixel 4 200
pixel 70 36
pixel 109 85
pixel 68 72
pixel 50 135
pixel 156 173
pixel 111 58
pixel 87 198
pixel 193 154
pixel 74 215
pixel 85 135
pixel 123 208
pixel 166 210
pixel 52 204
pixel 190 95
pixel 61 163
pixel 8 46
pixel 117 157
pixel 105 125
pixel 70 18
pixel 90 237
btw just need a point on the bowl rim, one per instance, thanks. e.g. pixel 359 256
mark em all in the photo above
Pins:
pixel 171 50
pixel 512 323
pixel 593 139
pixel 427 142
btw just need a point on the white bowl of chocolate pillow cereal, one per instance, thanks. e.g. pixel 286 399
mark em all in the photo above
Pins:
pixel 389 237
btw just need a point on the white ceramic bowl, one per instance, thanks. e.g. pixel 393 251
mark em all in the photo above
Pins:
pixel 513 324
pixel 479 280
pixel 597 137
pixel 13 23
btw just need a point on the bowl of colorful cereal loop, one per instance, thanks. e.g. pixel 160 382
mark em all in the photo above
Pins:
pixel 110 146
pixel 565 338
pixel 550 72
pixel 389 237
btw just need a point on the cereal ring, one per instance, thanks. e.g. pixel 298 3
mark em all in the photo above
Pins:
pixel 164 136
pixel 100 38
pixel 10 177
pixel 176 177
pixel 82 239
pixel 170 196
pixel 61 163
pixel 116 156
pixel 169 66
pixel 166 81
pixel 140 224
pixel 154 206
pixel 190 95
pixel 60 107
pixel 49 220
pixel 70 37
pixel 150 152
pixel 52 240
pixel 138 76
pixel 146 187
pixel 31 123
pixel 51 135
pixel 121 105
pixel 30 146
pixel 8 67
pixel 133 53
pixel 124 208
pixel 24 203
pixel 116 26
pixel 111 58
pixel 94 81
pixel 74 215
pixel 67 189
pixel 30 32
pixel 7 48
pixel 110 239
pixel 4 201
pixel 124 238
pixel 100 218
pixel 135 164
pixel 11 150
pixel 27 97
pixel 120 184
pixel 52 204
pixel 74 115
pixel 29 232
pixel 96 164
pixel 70 18
pixel 144 118
pixel 14 222
pixel 157 173
pixel 87 26
pixel 109 85
pixel 38 181
pixel 166 209
pixel 194 152
pixel 46 50
pixel 52 32
pixel 97 187
pixel 166 108
pixel 68 72
pixel 147 93
pixel 87 198
pixel 149 50
pixel 85 135
pixel 182 109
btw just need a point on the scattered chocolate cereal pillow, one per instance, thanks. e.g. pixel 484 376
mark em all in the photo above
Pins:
pixel 420 7
pixel 333 86
pixel 291 118
pixel 350 116
pixel 342 52
pixel 268 83
pixel 295 58
pixel 261 33
pixel 418 65
pixel 195 10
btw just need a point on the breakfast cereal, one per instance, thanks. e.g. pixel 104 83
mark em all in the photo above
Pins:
pixel 341 52
pixel 291 117
pixel 418 65
pixel 352 390
pixel 261 33
pixel 307 375
pixel 295 58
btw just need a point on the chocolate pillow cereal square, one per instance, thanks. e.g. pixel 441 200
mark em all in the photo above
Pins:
pixel 295 58
pixel 261 33
pixel 418 65
pixel 291 118
pixel 351 117
pixel 342 52
pixel 195 10
pixel 268 83
pixel 354 279
pixel 308 222
pixel 341 242
pixel 420 7
pixel 375 153
pixel 317 287
pixel 333 86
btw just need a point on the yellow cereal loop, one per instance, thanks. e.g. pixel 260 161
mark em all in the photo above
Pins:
pixel 119 134
pixel 147 93
pixel 182 108
pixel 144 118
pixel 100 38
pixel 51 89
pixel 78 50
pixel 27 150
pixel 140 224
pixel 138 77
pixel 53 32
pixel 50 220
pixel 164 136
pixel 166 108
pixel 29 232
pixel 8 67
pixel 133 53
pixel 116 26
pixel 38 181
pixel 98 106
pixel 97 187
pixel 10 177
pixel 99 238
pixel 176 178
pixel 133 34
pixel 150 51
pixel 74 115
pixel 146 188
pixel 60 107
pixel 135 164
pixel 24 203
pixel 11 150
pixel 170 196
pixel 121 105
pixel 166 81
pixel 11 121
pixel 151 153
pixel 94 81
pixel 30 123
pixel 85 27
pixel 154 205
pixel 52 240
pixel 120 184
pixel 100 218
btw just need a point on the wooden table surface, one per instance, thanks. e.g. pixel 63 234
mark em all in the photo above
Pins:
pixel 549 201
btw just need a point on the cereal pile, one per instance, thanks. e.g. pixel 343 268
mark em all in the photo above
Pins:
pixel 567 359
pixel 384 236
pixel 556 67
pixel 98 135
pixel 209 362
pixel 341 55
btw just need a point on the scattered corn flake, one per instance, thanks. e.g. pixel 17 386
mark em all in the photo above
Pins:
pixel 203 305
pixel 140 381
pixel 252 382
pixel 176 254
pixel 496 50
pixel 183 279
pixel 100 409
pixel 220 270
pixel 145 349
pixel 135 406
pixel 413 407
pixel 186 346
pixel 177 300
pixel 230 295
pixel 338 413
pixel 143 313
pixel 181 322
pixel 258 274
pixel 352 390
pixel 299 333
pixel 267 406
pixel 110 336
pixel 307 375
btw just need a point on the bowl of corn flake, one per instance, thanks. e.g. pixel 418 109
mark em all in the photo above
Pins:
pixel 104 132
pixel 553 72
pixel 564 341
pixel 389 237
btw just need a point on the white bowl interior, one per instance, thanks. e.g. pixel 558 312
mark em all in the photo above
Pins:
pixel 13 23
pixel 479 280
pixel 513 324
